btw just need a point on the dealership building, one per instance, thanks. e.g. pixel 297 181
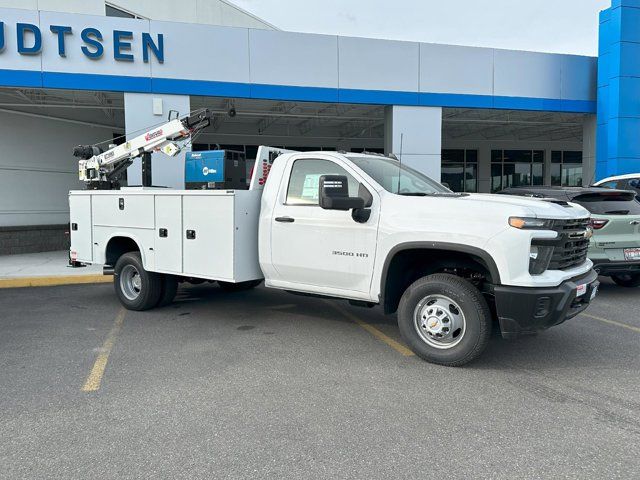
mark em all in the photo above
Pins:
pixel 478 119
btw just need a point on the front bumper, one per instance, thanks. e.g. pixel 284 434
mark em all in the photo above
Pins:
pixel 608 268
pixel 523 310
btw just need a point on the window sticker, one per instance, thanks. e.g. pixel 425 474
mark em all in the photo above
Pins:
pixel 311 186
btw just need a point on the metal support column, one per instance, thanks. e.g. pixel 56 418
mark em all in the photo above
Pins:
pixel 146 170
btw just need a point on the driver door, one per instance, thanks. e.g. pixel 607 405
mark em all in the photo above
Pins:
pixel 314 247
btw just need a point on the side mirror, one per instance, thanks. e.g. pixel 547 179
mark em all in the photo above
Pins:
pixel 334 194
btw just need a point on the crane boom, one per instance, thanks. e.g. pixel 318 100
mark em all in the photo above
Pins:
pixel 100 169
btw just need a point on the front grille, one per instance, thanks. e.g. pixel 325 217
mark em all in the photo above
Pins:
pixel 571 247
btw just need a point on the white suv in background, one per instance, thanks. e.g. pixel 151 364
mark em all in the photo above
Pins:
pixel 630 181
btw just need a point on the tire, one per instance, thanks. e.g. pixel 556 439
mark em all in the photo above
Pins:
pixel 630 280
pixel 136 288
pixel 428 320
pixel 168 290
pixel 239 287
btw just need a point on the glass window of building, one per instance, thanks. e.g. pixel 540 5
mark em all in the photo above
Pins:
pixel 365 150
pixel 566 168
pixel 251 151
pixel 515 168
pixel 460 169
pixel 113 11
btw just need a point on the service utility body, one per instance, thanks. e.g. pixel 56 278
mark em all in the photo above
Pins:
pixel 360 227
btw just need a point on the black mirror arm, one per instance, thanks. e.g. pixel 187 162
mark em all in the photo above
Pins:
pixel 361 215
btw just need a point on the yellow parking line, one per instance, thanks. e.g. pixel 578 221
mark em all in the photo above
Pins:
pixel 613 322
pixel 397 346
pixel 22 282
pixel 95 376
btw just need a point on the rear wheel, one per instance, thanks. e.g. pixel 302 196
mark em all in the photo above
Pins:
pixel 169 290
pixel 629 280
pixel 240 286
pixel 444 319
pixel 137 289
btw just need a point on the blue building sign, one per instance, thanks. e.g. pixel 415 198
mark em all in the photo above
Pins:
pixel 29 42
pixel 618 143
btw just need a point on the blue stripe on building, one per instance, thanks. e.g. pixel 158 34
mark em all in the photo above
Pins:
pixel 117 83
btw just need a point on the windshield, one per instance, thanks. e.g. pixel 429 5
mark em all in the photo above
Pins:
pixel 621 203
pixel 396 178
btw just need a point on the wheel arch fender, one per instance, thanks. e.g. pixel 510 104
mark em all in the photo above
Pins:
pixel 120 243
pixel 480 255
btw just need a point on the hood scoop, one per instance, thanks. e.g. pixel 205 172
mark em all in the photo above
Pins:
pixel 562 203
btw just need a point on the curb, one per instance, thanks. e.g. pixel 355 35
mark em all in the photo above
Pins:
pixel 22 282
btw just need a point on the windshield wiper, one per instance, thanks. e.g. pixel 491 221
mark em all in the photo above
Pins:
pixel 617 212
pixel 413 194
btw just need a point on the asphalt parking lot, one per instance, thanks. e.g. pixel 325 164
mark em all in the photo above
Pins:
pixel 271 385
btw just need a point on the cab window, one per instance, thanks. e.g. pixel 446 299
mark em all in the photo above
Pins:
pixel 612 184
pixel 304 181
pixel 631 184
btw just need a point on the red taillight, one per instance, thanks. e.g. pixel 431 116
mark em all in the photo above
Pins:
pixel 597 224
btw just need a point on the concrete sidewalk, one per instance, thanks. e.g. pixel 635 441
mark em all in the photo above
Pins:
pixel 45 269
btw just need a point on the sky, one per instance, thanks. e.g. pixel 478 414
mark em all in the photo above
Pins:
pixel 559 26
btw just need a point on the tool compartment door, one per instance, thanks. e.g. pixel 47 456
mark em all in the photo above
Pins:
pixel 168 234
pixel 81 228
pixel 119 208
pixel 207 236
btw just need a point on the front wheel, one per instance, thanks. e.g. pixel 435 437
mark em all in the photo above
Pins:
pixel 444 319
pixel 629 280
pixel 136 288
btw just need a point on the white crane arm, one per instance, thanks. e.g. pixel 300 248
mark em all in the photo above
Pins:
pixel 98 167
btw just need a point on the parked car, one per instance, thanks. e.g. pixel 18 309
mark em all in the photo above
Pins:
pixel 614 248
pixel 630 181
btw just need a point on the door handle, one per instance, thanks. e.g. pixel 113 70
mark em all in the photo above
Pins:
pixel 285 219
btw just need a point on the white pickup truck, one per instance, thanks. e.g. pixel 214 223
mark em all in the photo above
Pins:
pixel 360 227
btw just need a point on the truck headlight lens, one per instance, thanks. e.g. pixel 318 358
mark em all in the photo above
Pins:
pixel 539 259
pixel 531 223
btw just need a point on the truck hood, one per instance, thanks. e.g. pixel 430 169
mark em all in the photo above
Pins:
pixel 480 205
pixel 539 208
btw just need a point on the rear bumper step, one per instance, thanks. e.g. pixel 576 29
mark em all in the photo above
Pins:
pixel 616 268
